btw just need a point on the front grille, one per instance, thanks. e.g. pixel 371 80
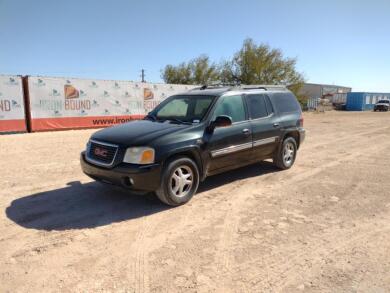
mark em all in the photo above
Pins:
pixel 101 153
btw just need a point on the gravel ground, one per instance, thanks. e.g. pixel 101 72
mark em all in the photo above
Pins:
pixel 322 226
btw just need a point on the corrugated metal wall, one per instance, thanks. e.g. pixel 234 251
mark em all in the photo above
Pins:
pixel 312 103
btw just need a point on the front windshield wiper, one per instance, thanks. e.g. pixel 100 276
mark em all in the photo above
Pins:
pixel 150 117
pixel 179 121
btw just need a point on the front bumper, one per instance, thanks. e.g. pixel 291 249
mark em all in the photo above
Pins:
pixel 381 108
pixel 134 177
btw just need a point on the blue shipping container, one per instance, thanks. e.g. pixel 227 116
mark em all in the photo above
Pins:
pixel 361 101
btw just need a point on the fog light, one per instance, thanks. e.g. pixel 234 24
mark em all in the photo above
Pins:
pixel 128 181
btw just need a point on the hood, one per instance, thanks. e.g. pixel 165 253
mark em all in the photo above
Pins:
pixel 382 104
pixel 139 132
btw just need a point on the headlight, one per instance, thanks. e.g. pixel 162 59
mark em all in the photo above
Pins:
pixel 139 155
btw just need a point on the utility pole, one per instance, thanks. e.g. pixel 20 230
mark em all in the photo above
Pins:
pixel 142 75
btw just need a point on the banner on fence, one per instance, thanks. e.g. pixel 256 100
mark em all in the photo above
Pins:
pixel 63 103
pixel 12 117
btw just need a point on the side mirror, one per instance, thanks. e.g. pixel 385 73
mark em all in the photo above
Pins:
pixel 221 121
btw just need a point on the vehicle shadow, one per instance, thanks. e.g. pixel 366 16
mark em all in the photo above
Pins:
pixel 90 205
pixel 246 172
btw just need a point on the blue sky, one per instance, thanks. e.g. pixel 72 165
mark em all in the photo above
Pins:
pixel 337 42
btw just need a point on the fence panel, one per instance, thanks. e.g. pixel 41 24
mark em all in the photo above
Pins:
pixel 12 115
pixel 69 103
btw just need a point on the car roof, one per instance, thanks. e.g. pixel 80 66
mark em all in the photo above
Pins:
pixel 220 90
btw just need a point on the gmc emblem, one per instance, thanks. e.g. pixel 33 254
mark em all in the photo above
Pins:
pixel 100 152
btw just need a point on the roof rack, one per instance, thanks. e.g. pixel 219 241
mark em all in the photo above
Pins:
pixel 263 87
pixel 241 86
pixel 214 86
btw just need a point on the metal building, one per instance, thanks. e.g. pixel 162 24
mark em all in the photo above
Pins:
pixel 363 101
pixel 314 92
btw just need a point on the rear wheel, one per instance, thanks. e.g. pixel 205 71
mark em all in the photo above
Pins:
pixel 285 156
pixel 180 180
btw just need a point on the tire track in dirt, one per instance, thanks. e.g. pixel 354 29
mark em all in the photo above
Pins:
pixel 224 256
pixel 140 269
pixel 230 224
pixel 349 138
pixel 293 267
pixel 231 220
pixel 232 209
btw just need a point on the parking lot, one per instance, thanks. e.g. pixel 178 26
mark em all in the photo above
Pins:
pixel 321 226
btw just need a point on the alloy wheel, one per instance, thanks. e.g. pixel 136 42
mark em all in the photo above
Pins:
pixel 181 181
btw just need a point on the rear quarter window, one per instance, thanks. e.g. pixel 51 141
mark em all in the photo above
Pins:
pixel 286 102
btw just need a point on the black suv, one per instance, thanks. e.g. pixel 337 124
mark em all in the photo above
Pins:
pixel 190 136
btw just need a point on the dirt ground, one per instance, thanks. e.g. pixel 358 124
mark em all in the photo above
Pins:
pixel 322 226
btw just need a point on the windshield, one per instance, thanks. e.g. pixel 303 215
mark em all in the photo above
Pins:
pixel 189 109
pixel 384 101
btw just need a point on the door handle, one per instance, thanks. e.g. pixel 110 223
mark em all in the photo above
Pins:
pixel 276 124
pixel 246 131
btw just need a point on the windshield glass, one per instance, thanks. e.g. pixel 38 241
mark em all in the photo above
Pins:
pixel 384 102
pixel 190 109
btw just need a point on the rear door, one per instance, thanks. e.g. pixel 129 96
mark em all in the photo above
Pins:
pixel 265 125
pixel 230 146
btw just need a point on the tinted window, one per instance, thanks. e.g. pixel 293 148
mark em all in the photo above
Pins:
pixel 185 108
pixel 231 106
pixel 270 108
pixel 176 108
pixel 201 107
pixel 286 102
pixel 257 106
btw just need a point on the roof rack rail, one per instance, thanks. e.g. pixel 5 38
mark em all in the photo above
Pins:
pixel 263 87
pixel 241 86
pixel 214 86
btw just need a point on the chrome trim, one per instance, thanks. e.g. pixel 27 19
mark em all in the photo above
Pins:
pixel 231 149
pixel 93 161
pixel 104 143
pixel 265 141
pixel 240 147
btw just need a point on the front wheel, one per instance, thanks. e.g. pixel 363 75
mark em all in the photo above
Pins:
pixel 180 181
pixel 285 156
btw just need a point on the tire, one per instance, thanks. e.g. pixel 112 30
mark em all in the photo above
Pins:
pixel 175 188
pixel 285 156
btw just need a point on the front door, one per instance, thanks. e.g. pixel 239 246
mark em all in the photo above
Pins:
pixel 230 146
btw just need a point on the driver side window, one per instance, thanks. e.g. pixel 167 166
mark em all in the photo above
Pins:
pixel 232 106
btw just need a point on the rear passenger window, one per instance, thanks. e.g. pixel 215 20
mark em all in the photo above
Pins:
pixel 286 102
pixel 257 106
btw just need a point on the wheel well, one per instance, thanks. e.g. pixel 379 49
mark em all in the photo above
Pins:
pixel 293 134
pixel 189 154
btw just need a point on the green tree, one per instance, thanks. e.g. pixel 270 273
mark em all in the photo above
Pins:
pixel 252 64
pixel 260 64
pixel 197 71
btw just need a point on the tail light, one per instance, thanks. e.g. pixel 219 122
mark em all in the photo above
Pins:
pixel 300 121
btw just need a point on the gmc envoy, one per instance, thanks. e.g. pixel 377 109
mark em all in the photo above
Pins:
pixel 206 131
